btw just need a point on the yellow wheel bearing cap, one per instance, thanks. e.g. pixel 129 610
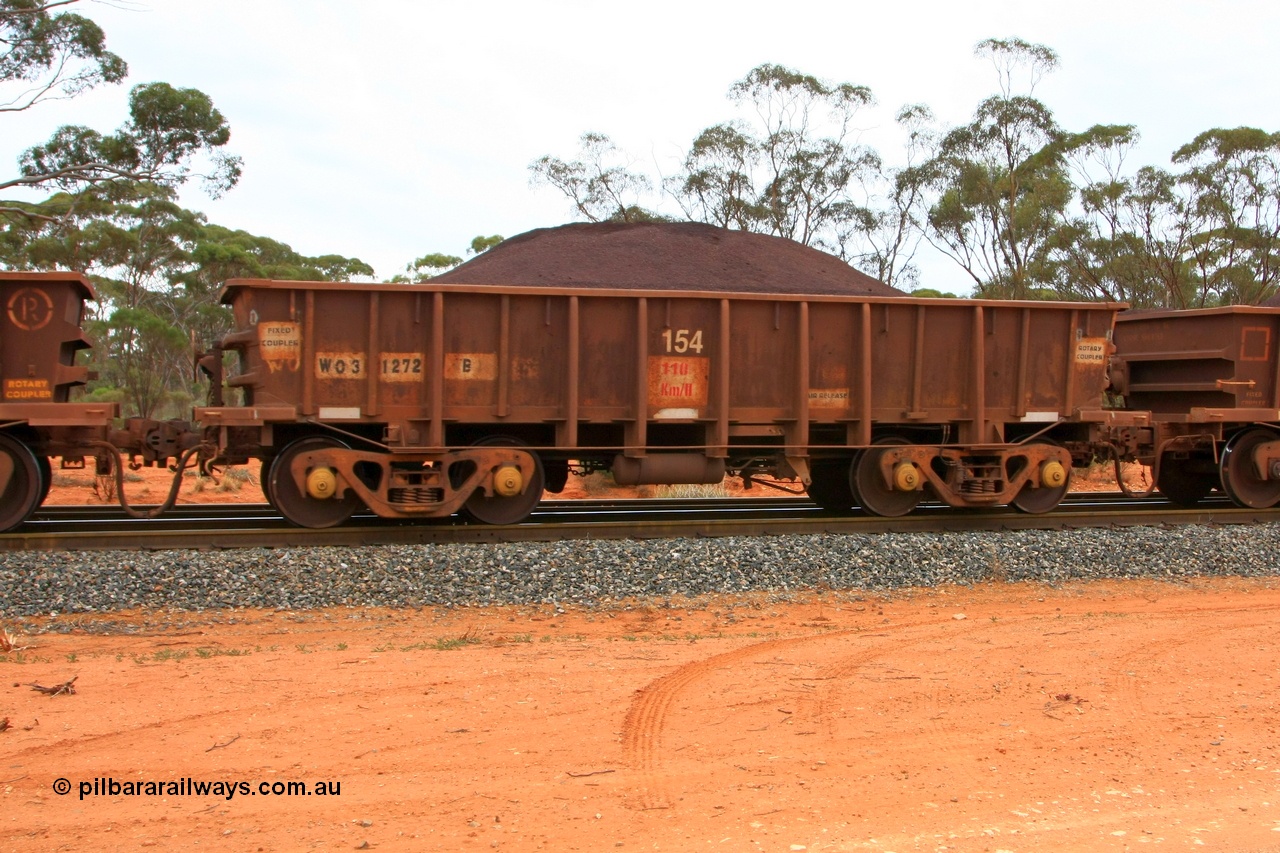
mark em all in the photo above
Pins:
pixel 905 477
pixel 508 481
pixel 321 484
pixel 1053 475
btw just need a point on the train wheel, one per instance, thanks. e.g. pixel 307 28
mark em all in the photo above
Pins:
pixel 300 507
pixel 870 490
pixel 1181 486
pixel 46 477
pixel 507 510
pixel 829 487
pixel 1035 500
pixel 264 482
pixel 1239 479
pixel 25 487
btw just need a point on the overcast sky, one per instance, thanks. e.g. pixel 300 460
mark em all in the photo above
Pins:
pixel 386 130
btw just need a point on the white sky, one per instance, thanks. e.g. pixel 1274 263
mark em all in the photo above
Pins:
pixel 388 129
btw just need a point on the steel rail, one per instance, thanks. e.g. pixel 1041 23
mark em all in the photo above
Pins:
pixel 256 526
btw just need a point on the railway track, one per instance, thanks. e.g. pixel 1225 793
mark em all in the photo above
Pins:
pixel 226 526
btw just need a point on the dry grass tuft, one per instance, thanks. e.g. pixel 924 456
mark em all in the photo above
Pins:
pixel 9 643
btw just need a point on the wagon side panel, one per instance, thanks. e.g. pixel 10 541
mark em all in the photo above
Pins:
pixel 839 372
pixel 766 342
pixel 606 357
pixel 1219 360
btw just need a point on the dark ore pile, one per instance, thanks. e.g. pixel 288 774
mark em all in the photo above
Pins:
pixel 662 256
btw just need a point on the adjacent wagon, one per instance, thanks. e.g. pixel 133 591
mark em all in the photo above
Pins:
pixel 1209 378
pixel 41 332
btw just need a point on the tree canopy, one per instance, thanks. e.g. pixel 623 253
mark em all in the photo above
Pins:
pixel 1024 207
pixel 170 136
pixel 599 184
pixel 110 208
pixel 431 265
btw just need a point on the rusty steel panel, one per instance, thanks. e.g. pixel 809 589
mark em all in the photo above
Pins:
pixel 1221 362
pixel 974 364
pixel 423 357
pixel 607 337
pixel 40 335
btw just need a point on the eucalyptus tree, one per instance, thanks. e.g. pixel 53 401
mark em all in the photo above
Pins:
pixel 798 169
pixel 481 243
pixel 1098 253
pixel 1232 178
pixel 793 171
pixel 427 267
pixel 171 135
pixel 791 165
pixel 717 184
pixel 599 184
pixel 431 265
pixel 1206 235
pixel 51 56
pixel 806 149
pixel 1000 182
pixel 1163 225
pixel 1128 237
pixel 884 234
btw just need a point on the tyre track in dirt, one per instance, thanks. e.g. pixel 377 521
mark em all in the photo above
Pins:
pixel 876 663
pixel 649 714
pixel 71 745
pixel 1154 658
pixel 646 717
pixel 1154 682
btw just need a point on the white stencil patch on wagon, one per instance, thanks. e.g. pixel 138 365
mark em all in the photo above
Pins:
pixel 340 413
pixel 471 365
pixel 1091 351
pixel 340 365
pixel 675 414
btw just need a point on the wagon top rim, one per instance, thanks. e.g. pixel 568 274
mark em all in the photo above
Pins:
pixel 86 286
pixel 233 286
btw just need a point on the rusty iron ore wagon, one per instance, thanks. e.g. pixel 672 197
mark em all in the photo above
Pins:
pixel 1210 381
pixel 418 401
pixel 40 334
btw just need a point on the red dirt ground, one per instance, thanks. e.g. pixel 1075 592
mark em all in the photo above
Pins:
pixel 1004 717
pixel 1102 716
